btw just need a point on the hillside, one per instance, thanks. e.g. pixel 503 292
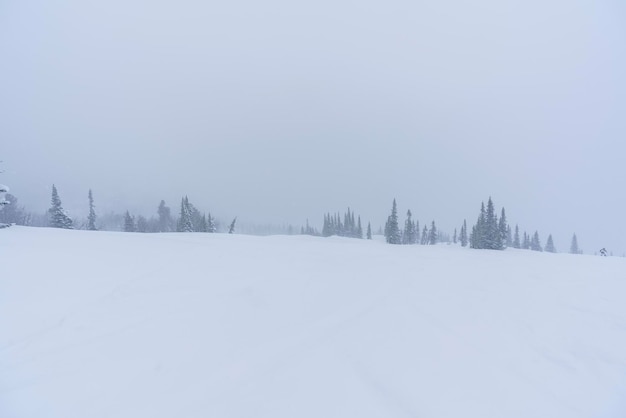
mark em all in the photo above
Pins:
pixel 122 325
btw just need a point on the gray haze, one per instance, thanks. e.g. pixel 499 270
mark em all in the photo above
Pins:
pixel 278 111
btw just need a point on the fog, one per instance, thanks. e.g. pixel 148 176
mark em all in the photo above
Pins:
pixel 277 112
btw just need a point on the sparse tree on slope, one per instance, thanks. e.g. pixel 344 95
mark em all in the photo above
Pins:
pixel 408 237
pixel 129 223
pixel 516 241
pixel 369 231
pixel 210 224
pixel 424 240
pixel 573 249
pixel 535 243
pixel 56 214
pixel 91 219
pixel 184 223
pixel 432 234
pixel 550 248
pixel 231 228
pixel 464 234
pixel 165 218
pixel 392 231
pixel 502 228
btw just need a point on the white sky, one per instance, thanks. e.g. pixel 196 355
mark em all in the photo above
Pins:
pixel 277 112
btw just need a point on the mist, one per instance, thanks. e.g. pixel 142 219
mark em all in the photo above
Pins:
pixel 277 112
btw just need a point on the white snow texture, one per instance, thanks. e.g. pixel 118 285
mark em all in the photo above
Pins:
pixel 123 325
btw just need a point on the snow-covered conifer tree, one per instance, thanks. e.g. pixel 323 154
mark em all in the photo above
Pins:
pixel 433 236
pixel 516 241
pixel 57 217
pixel 165 218
pixel 231 228
pixel 573 249
pixel 392 231
pixel 550 248
pixel 210 224
pixel 184 222
pixel 464 239
pixel 535 243
pixel 369 231
pixel 91 219
pixel 129 223
pixel 408 237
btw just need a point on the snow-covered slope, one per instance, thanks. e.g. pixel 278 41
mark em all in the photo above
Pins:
pixel 100 324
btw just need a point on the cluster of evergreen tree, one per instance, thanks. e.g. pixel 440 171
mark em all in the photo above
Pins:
pixel 309 230
pixel 191 220
pixel 410 234
pixel 350 228
pixel 490 232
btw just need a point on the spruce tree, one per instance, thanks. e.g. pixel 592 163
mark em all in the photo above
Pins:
pixel 526 242
pixel 57 216
pixel 454 237
pixel 141 225
pixel 516 241
pixel 211 227
pixel 424 240
pixel 535 243
pixel 432 234
pixel 165 218
pixel 464 234
pixel 359 229
pixel 231 228
pixel 408 237
pixel 509 237
pixel 184 222
pixel 129 223
pixel 91 219
pixel 392 231
pixel 550 248
pixel 502 228
pixel 573 249
pixel 369 231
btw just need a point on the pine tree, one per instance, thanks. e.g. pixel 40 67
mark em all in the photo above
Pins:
pixel 573 249
pixel 129 223
pixel 454 237
pixel 91 219
pixel 392 231
pixel 526 242
pixel 509 236
pixel 184 222
pixel 359 229
pixel 464 234
pixel 408 237
pixel 57 216
pixel 165 218
pixel 432 234
pixel 141 225
pixel 369 231
pixel 550 248
pixel 231 228
pixel 516 241
pixel 210 224
pixel 535 244
pixel 503 227
pixel 424 240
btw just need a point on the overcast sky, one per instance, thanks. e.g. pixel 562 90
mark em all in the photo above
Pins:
pixel 278 111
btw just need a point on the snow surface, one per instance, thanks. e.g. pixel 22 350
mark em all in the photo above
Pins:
pixel 128 325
